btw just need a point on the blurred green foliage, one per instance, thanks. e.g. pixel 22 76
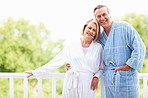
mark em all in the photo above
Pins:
pixel 24 46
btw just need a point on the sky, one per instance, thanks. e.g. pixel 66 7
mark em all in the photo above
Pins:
pixel 65 18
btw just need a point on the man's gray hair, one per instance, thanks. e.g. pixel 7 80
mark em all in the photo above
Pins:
pixel 100 6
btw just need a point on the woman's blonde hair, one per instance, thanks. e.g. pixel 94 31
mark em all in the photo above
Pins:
pixel 97 37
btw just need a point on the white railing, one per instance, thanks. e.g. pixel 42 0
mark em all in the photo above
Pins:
pixel 144 76
pixel 55 76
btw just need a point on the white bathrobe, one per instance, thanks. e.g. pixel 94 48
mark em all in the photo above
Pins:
pixel 77 81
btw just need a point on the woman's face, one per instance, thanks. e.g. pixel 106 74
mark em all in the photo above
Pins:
pixel 90 30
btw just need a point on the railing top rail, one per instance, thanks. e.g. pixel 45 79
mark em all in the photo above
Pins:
pixel 50 75
pixel 143 75
pixel 23 75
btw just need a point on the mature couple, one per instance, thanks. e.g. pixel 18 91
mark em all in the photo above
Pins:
pixel 118 52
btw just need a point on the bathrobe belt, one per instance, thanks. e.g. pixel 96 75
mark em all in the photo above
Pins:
pixel 115 75
pixel 73 77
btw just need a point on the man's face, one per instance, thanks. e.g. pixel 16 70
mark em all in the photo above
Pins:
pixel 103 17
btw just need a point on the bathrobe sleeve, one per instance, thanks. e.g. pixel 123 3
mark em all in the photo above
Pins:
pixel 101 65
pixel 138 49
pixel 52 65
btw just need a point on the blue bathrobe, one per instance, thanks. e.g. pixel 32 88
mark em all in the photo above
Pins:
pixel 122 46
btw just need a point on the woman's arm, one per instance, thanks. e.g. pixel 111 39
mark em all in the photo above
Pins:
pixel 52 65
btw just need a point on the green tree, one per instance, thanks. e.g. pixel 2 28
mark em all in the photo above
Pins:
pixel 24 46
pixel 140 23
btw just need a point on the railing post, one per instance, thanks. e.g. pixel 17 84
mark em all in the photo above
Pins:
pixel 144 87
pixel 102 87
pixel 25 87
pixel 39 88
pixel 11 87
pixel 53 88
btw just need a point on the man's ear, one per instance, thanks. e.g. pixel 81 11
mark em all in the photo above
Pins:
pixel 110 15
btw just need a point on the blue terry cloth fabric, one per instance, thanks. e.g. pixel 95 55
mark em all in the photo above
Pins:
pixel 122 46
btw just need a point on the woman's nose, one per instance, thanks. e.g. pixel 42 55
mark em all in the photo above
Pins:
pixel 91 30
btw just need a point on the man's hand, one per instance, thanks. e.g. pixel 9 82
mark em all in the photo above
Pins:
pixel 123 68
pixel 68 67
pixel 94 83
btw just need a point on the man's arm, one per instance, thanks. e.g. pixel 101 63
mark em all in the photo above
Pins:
pixel 138 50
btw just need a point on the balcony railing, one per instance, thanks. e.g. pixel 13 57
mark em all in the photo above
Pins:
pixel 55 76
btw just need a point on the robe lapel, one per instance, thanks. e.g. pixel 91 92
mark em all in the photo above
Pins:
pixel 88 51
pixel 109 38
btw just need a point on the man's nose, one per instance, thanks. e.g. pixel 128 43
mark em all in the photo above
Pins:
pixel 102 17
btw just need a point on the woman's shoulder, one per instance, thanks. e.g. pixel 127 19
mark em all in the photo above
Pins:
pixel 73 42
pixel 97 44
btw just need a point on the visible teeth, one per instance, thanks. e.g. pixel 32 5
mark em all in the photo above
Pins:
pixel 103 21
pixel 89 34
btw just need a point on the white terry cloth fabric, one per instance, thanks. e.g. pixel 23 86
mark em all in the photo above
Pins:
pixel 78 79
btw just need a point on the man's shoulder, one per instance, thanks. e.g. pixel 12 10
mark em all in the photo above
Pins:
pixel 122 23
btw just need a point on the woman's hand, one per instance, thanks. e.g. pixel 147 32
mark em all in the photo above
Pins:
pixel 94 83
pixel 30 73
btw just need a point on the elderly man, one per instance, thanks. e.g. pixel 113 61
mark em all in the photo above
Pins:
pixel 123 55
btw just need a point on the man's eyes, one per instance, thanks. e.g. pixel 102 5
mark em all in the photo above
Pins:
pixel 104 14
pixel 99 16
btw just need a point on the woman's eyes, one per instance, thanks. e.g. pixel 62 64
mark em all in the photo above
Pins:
pixel 91 28
pixel 94 30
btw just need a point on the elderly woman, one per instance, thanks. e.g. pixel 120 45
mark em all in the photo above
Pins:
pixel 85 58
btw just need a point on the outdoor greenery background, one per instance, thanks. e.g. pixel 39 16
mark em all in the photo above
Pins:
pixel 24 47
